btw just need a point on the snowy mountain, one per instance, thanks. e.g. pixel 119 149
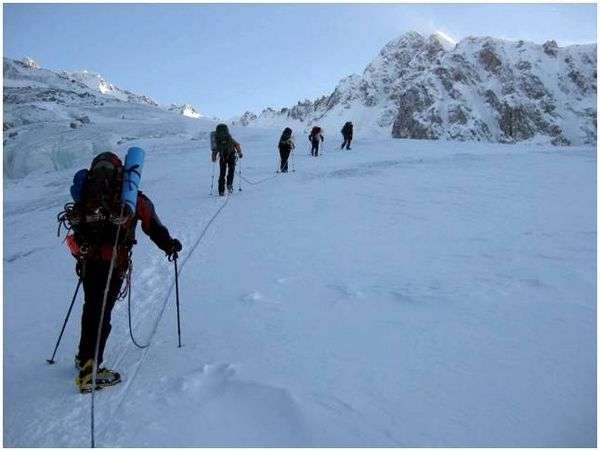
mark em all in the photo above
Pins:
pixel 185 110
pixel 482 89
pixel 96 82
pixel 54 119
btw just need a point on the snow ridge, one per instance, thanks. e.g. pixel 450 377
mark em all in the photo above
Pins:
pixel 96 82
pixel 186 110
pixel 54 119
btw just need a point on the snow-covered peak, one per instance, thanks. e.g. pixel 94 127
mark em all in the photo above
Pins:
pixel 96 82
pixel 186 110
pixel 445 41
pixel 408 39
pixel 30 63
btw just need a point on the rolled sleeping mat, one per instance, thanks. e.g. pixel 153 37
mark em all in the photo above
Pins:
pixel 132 174
pixel 77 186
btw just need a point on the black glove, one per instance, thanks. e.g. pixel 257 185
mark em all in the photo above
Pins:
pixel 174 247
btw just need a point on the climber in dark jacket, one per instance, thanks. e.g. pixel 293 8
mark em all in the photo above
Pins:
pixel 286 146
pixel 315 138
pixel 227 150
pixel 347 134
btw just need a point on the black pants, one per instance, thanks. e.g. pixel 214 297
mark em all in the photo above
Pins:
pixel 346 143
pixel 94 282
pixel 227 165
pixel 284 154
pixel 314 151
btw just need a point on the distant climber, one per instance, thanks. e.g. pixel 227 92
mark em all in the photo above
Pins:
pixel 286 146
pixel 227 150
pixel 347 130
pixel 315 138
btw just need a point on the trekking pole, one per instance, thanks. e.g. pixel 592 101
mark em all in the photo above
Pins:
pixel 278 162
pixel 51 359
pixel 240 176
pixel 174 258
pixel 212 180
pixel 293 159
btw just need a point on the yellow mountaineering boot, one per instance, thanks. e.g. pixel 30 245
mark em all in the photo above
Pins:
pixel 104 378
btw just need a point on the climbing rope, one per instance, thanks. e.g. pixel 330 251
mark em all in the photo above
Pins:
pixel 128 286
pixel 193 248
pixel 258 182
pixel 100 324
pixel 198 240
pixel 172 286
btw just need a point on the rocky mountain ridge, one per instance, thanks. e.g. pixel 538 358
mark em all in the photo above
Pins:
pixel 482 89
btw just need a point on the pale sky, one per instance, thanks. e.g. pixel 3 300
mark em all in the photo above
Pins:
pixel 229 58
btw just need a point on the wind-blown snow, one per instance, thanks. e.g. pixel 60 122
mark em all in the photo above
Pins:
pixel 405 293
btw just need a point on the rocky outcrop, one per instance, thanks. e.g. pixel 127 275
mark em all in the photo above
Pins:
pixel 407 124
pixel 489 60
pixel 550 48
pixel 520 100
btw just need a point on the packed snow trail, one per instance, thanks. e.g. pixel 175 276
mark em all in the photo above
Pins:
pixel 403 293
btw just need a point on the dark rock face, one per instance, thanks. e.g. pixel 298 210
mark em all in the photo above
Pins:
pixel 578 79
pixel 550 48
pixel 406 125
pixel 533 87
pixel 515 123
pixel 457 115
pixel 524 65
pixel 520 105
pixel 490 61
pixel 246 118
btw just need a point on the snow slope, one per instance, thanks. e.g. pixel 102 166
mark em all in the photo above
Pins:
pixel 55 120
pixel 481 89
pixel 405 293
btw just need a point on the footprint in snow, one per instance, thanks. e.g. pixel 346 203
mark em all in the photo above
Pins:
pixel 259 414
pixel 208 379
